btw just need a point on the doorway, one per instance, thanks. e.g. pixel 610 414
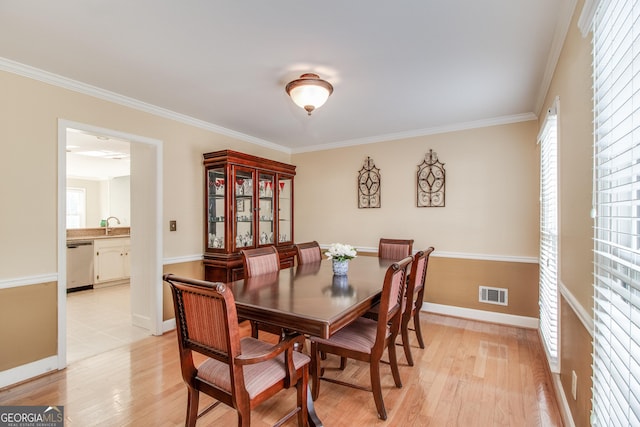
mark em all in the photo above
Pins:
pixel 146 240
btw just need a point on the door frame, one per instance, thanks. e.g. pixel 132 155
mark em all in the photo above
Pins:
pixel 152 227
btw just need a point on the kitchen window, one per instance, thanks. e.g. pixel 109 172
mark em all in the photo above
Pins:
pixel 76 207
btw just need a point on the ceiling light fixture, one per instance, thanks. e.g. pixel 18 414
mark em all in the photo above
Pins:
pixel 309 91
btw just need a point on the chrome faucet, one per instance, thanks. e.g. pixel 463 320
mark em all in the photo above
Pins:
pixel 106 224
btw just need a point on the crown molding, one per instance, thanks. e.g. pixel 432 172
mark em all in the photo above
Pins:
pixel 585 21
pixel 66 83
pixel 496 121
pixel 559 36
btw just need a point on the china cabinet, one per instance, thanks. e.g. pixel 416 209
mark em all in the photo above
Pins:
pixel 248 203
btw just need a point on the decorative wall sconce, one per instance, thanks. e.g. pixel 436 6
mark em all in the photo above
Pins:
pixel 369 185
pixel 431 179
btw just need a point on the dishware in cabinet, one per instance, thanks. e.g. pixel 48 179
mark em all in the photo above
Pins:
pixel 249 203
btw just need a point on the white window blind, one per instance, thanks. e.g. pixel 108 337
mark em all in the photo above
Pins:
pixel 76 207
pixel 616 357
pixel 548 299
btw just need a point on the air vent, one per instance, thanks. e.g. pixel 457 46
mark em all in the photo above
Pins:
pixel 498 296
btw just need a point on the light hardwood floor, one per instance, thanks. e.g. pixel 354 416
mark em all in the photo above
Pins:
pixel 469 374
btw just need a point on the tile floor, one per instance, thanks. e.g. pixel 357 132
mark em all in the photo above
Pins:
pixel 99 320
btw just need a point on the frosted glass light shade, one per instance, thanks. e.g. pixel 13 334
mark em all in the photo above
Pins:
pixel 309 91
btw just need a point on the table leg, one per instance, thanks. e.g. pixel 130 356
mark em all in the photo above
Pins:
pixel 314 421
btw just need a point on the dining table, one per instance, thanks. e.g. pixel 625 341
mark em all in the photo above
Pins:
pixel 309 299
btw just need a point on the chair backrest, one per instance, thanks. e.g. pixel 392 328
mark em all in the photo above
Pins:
pixel 207 323
pixel 391 299
pixel 260 261
pixel 415 284
pixel 308 252
pixel 395 249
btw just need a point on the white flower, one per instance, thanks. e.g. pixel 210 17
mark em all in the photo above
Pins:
pixel 340 252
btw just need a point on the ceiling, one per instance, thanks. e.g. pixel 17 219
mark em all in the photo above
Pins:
pixel 399 69
pixel 96 157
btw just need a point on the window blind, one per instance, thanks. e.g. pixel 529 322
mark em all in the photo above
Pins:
pixel 548 299
pixel 616 348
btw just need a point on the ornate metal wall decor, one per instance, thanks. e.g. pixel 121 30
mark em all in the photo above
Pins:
pixel 431 176
pixel 369 185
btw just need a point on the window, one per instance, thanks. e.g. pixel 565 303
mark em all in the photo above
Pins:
pixel 76 208
pixel 616 352
pixel 548 299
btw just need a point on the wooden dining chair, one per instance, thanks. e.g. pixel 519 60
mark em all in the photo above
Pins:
pixel 395 249
pixel 366 339
pixel 414 296
pixel 257 262
pixel 239 372
pixel 308 252
pixel 260 261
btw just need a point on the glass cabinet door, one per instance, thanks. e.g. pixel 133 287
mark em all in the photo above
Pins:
pixel 266 183
pixel 285 209
pixel 244 208
pixel 215 208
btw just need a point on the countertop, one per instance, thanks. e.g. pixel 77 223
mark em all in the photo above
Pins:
pixel 117 236
pixel 98 233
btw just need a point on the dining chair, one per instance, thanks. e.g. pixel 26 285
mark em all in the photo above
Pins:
pixel 414 296
pixel 395 249
pixel 308 252
pixel 239 372
pixel 257 262
pixel 366 339
pixel 260 260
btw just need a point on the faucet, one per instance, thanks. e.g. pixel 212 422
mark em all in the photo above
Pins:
pixel 106 225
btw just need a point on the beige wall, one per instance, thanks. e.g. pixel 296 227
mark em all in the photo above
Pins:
pixel 28 324
pixel 454 282
pixel 193 269
pixel 491 210
pixel 575 353
pixel 572 85
pixel 491 193
pixel 30 111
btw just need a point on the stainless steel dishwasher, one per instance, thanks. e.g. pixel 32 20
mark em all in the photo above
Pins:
pixel 79 265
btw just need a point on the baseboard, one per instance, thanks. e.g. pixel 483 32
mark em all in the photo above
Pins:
pixel 481 315
pixel 29 371
pixel 563 404
pixel 168 325
pixel 141 321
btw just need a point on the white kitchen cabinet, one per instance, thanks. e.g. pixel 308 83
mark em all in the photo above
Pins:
pixel 111 259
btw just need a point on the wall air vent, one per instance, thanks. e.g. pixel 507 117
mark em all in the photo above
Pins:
pixel 498 296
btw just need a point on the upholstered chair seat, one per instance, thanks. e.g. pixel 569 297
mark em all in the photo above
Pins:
pixel 258 377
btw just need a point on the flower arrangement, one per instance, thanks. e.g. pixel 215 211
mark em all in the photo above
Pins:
pixel 340 252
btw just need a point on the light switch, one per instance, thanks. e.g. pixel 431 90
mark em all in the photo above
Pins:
pixel 173 226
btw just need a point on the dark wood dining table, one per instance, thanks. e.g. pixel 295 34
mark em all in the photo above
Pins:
pixel 309 299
